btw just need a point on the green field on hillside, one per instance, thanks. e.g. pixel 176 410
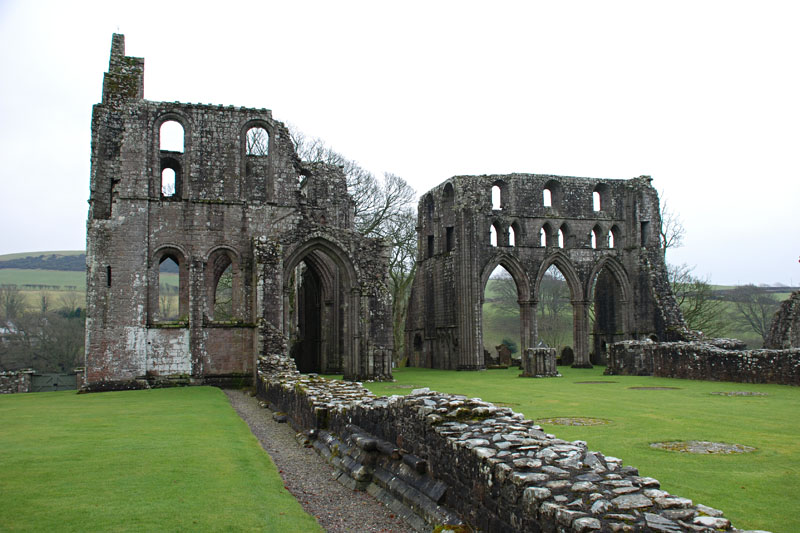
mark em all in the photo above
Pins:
pixel 756 490
pixel 154 460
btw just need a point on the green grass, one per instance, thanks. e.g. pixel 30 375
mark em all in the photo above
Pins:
pixel 157 460
pixel 62 278
pixel 758 490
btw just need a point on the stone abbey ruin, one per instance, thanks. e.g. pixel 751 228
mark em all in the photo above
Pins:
pixel 275 286
pixel 252 216
pixel 601 234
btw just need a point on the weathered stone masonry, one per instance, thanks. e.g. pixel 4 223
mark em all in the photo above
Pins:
pixel 300 277
pixel 603 235
pixel 440 458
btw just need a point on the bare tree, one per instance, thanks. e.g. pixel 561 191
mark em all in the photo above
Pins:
pixel 554 301
pixel 383 209
pixel 504 286
pixel 755 308
pixel 671 231
pixel 701 309
pixel 12 302
pixel 257 142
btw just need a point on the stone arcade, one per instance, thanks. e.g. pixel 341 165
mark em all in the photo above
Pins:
pixel 603 235
pixel 262 245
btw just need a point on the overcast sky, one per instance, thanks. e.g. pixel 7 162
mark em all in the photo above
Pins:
pixel 704 96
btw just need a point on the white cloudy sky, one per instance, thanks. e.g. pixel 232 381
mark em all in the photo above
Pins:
pixel 702 95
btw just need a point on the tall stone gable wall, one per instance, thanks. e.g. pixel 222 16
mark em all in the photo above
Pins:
pixel 610 256
pixel 261 214
pixel 785 330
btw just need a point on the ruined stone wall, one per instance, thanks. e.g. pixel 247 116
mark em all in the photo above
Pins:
pixel 445 459
pixel 785 330
pixel 608 250
pixel 227 200
pixel 15 381
pixel 696 360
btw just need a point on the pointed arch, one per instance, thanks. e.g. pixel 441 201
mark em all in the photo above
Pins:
pixel 223 279
pixel 158 297
pixel 514 267
pixel 608 291
pixel 616 269
pixel 330 294
pixel 563 263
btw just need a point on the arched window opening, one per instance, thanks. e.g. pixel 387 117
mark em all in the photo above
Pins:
pixel 223 290
pixel 546 235
pixel 430 246
pixel 547 198
pixel 560 238
pixel 168 182
pixel 512 236
pixel 614 237
pixel 171 136
pixel 555 319
pixel 168 289
pixel 596 206
pixel 493 236
pixel 257 141
pixel 594 239
pixel 501 319
pixel 497 197
pixel 605 315
pixel 429 210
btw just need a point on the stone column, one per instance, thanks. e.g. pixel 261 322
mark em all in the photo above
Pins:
pixel 580 333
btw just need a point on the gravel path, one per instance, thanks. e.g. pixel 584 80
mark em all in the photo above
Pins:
pixel 310 479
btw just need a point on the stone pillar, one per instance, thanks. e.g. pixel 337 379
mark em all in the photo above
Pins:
pixel 580 333
pixel 524 326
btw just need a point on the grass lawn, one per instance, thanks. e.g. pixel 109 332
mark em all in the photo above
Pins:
pixel 157 460
pixel 756 490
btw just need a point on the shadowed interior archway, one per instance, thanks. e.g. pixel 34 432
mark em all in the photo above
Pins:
pixel 321 308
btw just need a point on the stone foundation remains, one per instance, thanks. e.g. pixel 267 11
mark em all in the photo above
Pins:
pixel 703 361
pixel 445 459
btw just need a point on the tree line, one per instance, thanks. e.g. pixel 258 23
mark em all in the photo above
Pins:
pixel 47 336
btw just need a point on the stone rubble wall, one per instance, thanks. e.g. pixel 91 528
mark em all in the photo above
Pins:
pixel 14 381
pixel 785 330
pixel 446 459
pixel 704 361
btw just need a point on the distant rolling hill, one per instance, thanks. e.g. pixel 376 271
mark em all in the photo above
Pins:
pixel 70 261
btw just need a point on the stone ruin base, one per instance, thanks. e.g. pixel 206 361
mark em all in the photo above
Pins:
pixel 439 459
pixel 539 363
pixel 704 361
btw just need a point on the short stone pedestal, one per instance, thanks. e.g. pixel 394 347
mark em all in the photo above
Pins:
pixel 539 363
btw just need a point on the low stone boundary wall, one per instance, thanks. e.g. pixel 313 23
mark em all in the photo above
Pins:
pixel 539 363
pixel 14 381
pixel 445 459
pixel 695 360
